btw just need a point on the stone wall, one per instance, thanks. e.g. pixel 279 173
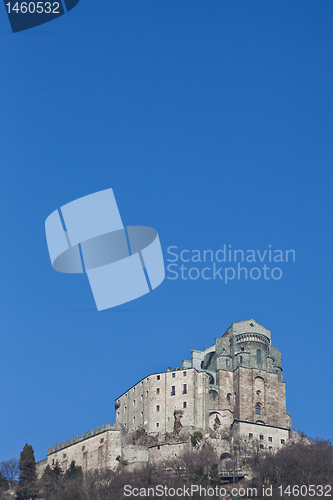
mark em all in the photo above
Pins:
pixel 96 450
pixel 165 402
pixel 166 452
pixel 245 388
pixel 266 437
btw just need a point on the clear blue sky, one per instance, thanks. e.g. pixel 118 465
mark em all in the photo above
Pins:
pixel 212 121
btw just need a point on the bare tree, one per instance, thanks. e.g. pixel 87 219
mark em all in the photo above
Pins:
pixel 245 449
pixel 302 463
pixel 195 464
pixel 10 470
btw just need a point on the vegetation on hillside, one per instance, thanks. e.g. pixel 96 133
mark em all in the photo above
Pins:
pixel 282 474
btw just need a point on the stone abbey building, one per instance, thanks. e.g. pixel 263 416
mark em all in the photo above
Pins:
pixel 232 390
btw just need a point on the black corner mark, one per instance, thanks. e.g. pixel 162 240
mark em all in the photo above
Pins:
pixel 24 15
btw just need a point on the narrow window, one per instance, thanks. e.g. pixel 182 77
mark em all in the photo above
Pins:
pixel 125 409
pixel 261 437
pixel 142 414
pixel 270 439
pixel 133 420
pixel 173 390
pixel 184 404
pixel 141 397
pixel 173 375
pixel 227 362
pixel 134 402
pixel 258 356
pixel 100 456
pixel 261 446
pixel 282 441
pixel 185 389
pixel 146 394
pixel 241 359
pixel 158 377
pixel 184 374
pixel 257 409
pixel 157 424
pixel 228 398
pixel 158 408
pixel 157 390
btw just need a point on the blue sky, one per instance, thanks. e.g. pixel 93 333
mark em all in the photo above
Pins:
pixel 212 122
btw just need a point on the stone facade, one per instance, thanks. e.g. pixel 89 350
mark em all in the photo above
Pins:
pixel 96 449
pixel 232 391
pixel 265 437
pixel 161 402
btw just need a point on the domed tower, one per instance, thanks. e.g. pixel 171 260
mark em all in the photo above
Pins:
pixel 245 383
pixel 248 344
pixel 249 375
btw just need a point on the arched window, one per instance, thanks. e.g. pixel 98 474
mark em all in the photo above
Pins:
pixel 241 359
pixel 258 356
pixel 257 409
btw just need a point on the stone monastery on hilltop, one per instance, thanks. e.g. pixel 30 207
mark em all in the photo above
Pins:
pixel 233 390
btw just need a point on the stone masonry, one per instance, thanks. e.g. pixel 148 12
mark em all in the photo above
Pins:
pixel 230 391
